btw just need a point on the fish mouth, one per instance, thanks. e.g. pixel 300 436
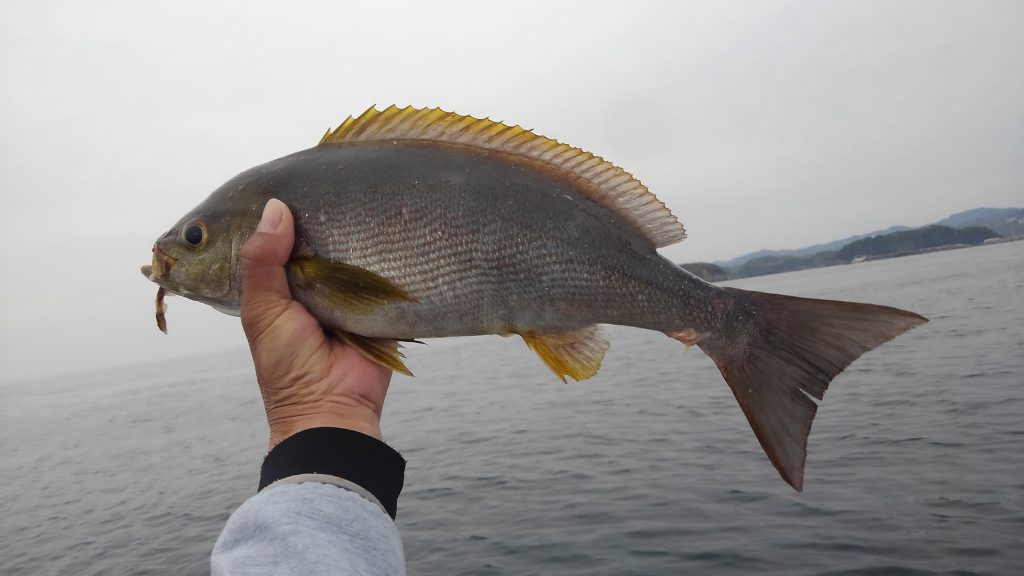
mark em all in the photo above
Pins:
pixel 161 267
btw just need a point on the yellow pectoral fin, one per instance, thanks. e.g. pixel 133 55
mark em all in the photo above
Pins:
pixel 577 354
pixel 345 287
pixel 382 351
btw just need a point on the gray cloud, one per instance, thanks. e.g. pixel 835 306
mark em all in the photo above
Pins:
pixel 761 124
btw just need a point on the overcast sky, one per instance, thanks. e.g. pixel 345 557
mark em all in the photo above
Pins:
pixel 760 124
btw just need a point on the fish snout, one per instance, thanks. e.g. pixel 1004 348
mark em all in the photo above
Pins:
pixel 162 265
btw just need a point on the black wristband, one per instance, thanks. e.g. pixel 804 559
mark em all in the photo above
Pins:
pixel 347 454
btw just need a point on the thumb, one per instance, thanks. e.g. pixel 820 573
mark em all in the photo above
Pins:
pixel 265 293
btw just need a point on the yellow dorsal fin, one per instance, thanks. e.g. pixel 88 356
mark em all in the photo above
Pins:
pixel 576 354
pixel 605 182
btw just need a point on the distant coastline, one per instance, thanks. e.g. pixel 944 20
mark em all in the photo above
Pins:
pixel 989 242
pixel 964 229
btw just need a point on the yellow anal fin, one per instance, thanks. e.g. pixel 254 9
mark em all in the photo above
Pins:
pixel 380 350
pixel 345 287
pixel 576 354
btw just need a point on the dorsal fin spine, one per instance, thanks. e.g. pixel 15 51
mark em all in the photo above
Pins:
pixel 603 182
pixel 359 125
pixel 573 162
pixel 586 167
pixel 391 115
pixel 431 123
pixel 463 126
pixel 474 130
pixel 520 140
pixel 607 176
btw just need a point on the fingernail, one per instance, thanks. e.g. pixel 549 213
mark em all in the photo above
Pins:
pixel 272 215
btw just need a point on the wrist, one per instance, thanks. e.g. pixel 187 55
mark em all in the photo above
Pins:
pixel 354 460
pixel 286 422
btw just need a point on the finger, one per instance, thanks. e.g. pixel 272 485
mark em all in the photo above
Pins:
pixel 265 293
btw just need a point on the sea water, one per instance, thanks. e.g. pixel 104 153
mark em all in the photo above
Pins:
pixel 915 466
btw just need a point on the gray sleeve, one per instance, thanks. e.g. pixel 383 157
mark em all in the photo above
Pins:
pixel 308 528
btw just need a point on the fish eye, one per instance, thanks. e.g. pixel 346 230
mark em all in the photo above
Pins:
pixel 193 235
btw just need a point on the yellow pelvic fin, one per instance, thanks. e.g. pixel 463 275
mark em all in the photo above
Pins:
pixel 382 351
pixel 345 287
pixel 575 354
pixel 600 180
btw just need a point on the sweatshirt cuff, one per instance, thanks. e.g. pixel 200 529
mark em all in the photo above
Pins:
pixel 353 456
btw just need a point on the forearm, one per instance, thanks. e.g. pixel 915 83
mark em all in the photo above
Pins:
pixel 326 504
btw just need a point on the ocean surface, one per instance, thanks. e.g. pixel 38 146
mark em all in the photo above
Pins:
pixel 916 461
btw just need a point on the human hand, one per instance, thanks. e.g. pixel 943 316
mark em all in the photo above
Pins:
pixel 308 379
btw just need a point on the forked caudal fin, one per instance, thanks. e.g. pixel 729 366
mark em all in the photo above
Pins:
pixel 787 352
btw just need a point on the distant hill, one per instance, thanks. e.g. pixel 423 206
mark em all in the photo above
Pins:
pixel 913 240
pixel 1008 222
pixel 776 264
pixel 809 250
pixel 963 228
pixel 706 271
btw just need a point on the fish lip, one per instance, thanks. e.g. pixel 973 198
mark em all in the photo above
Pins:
pixel 161 267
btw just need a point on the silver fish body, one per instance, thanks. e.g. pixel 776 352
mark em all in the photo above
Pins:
pixel 484 242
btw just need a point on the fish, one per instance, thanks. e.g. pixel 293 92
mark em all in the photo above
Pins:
pixel 415 223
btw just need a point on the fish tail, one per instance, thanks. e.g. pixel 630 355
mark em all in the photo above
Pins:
pixel 779 353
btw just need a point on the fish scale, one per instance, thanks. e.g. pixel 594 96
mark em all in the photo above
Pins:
pixel 456 258
pixel 415 223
